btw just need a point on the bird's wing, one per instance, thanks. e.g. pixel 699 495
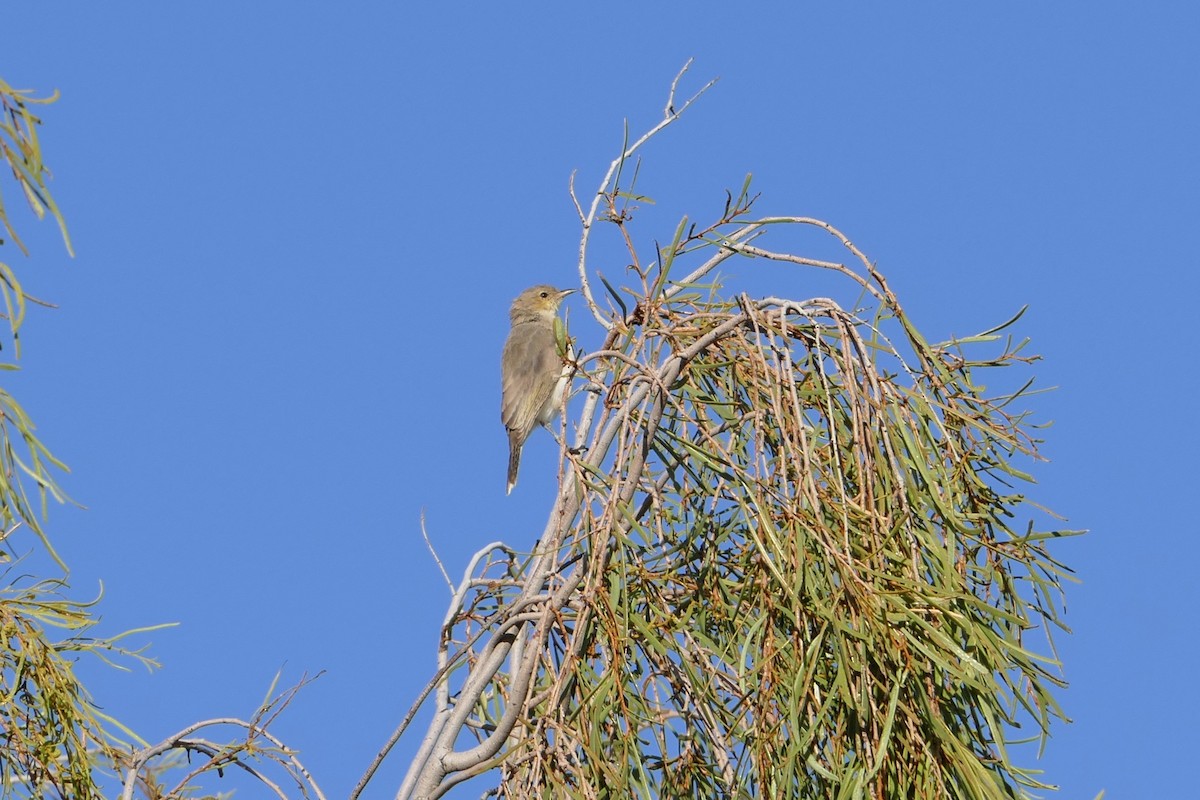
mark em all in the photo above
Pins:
pixel 536 364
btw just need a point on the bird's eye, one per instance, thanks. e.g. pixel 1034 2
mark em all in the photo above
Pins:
pixel 545 294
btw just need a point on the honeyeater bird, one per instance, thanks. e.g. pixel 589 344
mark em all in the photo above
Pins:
pixel 533 375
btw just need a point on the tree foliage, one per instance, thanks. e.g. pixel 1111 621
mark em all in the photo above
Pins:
pixel 21 151
pixel 50 727
pixel 791 555
pixel 56 740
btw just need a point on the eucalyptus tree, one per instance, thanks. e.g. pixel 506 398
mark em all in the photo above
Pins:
pixel 790 554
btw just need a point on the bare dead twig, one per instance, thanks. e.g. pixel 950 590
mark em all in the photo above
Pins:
pixel 670 114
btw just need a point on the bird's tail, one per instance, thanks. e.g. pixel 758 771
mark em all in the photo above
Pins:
pixel 514 461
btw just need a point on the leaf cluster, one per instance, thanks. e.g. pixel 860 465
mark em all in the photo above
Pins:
pixel 26 464
pixel 805 575
pixel 56 740
pixel 791 554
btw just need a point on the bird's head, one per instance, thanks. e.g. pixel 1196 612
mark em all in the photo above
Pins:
pixel 537 302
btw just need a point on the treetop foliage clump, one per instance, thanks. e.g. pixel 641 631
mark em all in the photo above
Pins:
pixel 791 554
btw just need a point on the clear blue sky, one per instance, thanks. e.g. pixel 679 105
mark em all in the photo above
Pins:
pixel 299 227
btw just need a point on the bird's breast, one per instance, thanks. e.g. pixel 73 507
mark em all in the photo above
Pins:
pixel 554 402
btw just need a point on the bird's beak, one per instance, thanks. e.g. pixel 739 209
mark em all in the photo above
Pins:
pixel 564 292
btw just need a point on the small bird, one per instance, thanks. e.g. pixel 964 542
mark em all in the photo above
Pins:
pixel 533 376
